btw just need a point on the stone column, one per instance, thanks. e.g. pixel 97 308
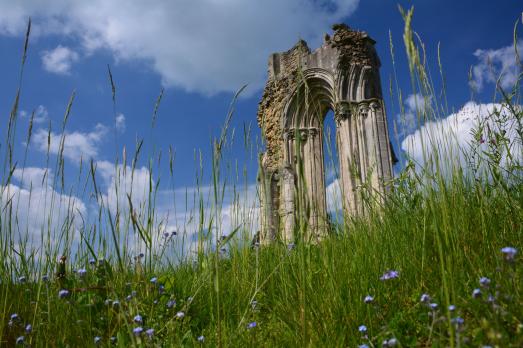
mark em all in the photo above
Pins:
pixel 384 156
pixel 287 203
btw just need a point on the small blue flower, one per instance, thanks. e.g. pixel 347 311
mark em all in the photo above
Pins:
pixel 171 303
pixel 116 303
pixel 362 329
pixel 92 261
pixel 138 330
pixel 15 317
pixel 254 303
pixel 129 298
pixel 363 346
pixel 133 293
pixel 509 253
pixel 180 315
pixel 425 298
pixel 391 274
pixel 452 308
pixel 154 280
pixel 112 339
pixel 108 302
pixel 45 278
pixel 458 321
pixel 22 279
pixel 368 299
pixel 201 339
pixel 63 293
pixel 28 328
pixel 484 281
pixel 476 293
pixel 291 246
pixel 82 272
pixel 149 332
pixel 433 306
pixel 138 319
pixel 251 325
pixel 97 340
pixel 392 342
pixel 161 289
pixel 20 340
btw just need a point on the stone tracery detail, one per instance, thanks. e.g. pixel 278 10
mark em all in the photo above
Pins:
pixel 342 75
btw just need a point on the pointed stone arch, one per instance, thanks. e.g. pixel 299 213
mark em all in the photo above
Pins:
pixel 343 76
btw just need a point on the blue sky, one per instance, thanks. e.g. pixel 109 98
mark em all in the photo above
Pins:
pixel 201 52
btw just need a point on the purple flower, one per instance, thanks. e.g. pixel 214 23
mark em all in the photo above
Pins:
pixel 363 346
pixel 476 293
pixel 154 280
pixel 201 339
pixel 291 246
pixel 28 328
pixel 362 329
pixel 458 321
pixel 149 332
pixel 63 293
pixel 82 272
pixel 161 289
pixel 116 303
pixel 425 298
pixel 509 253
pixel 392 342
pixel 391 274
pixel 180 315
pixel 138 330
pixel 368 299
pixel 452 308
pixel 92 261
pixel 251 325
pixel 15 317
pixel 20 340
pixel 97 340
pixel 22 279
pixel 484 281
pixel 171 303
pixel 138 319
pixel 433 306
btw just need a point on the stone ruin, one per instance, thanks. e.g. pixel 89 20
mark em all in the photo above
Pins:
pixel 343 76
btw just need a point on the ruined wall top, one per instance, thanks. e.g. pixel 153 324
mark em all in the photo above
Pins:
pixel 337 54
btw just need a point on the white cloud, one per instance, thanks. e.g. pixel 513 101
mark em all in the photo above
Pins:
pixel 206 46
pixel 41 114
pixel 38 208
pixel 77 145
pixel 33 177
pixel 120 123
pixel 59 60
pixel 497 64
pixel 416 106
pixel 450 141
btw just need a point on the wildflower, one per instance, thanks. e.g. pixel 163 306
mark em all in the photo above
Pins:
pixel 201 339
pixel 155 302
pixel 129 298
pixel 254 303
pixel 45 278
pixel 82 272
pixel 476 293
pixel 15 317
pixel 154 280
pixel 452 308
pixel 491 298
pixel 149 333
pixel 425 298
pixel 22 279
pixel 171 303
pixel 484 281
pixel 138 319
pixel 391 274
pixel 112 339
pixel 251 325
pixel 133 293
pixel 458 321
pixel 28 328
pixel 433 306
pixel 180 315
pixel 161 289
pixel 20 340
pixel 116 303
pixel 92 261
pixel 97 340
pixel 368 299
pixel 223 250
pixel 363 346
pixel 362 329
pixel 509 253
pixel 108 302
pixel 291 246
pixel 392 342
pixel 138 331
pixel 63 293
pixel 10 323
pixel 189 299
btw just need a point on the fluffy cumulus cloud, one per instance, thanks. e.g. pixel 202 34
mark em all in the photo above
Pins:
pixel 39 115
pixel 50 211
pixel 206 46
pixel 76 145
pixel 464 136
pixel 494 64
pixel 59 60
pixel 119 123
pixel 415 106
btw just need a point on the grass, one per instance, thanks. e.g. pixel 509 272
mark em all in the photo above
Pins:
pixel 425 269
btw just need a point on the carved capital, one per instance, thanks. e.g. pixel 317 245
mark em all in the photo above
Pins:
pixel 374 105
pixel 288 134
pixel 304 133
pixel 363 109
pixel 313 132
pixel 341 111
